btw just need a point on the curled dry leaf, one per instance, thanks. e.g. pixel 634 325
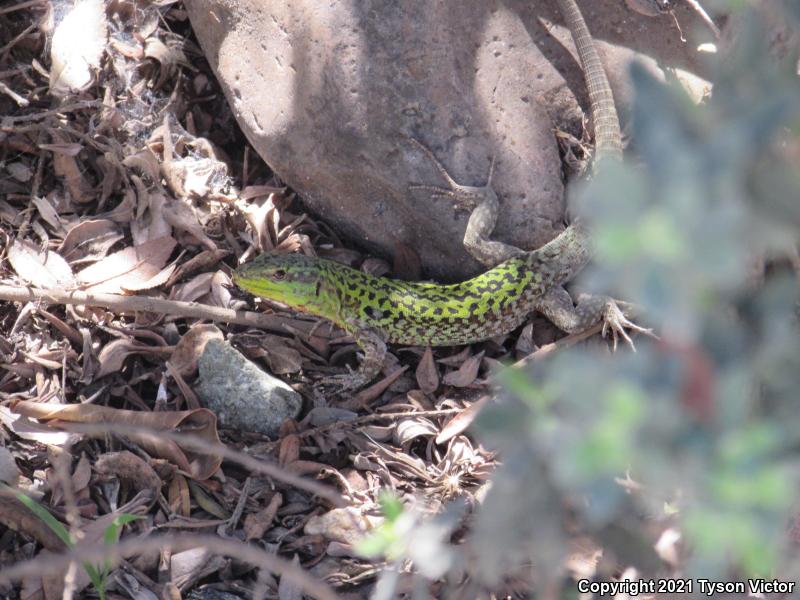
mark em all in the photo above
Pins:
pixel 190 347
pixel 40 268
pixel 146 162
pixel 15 516
pixel 131 268
pixel 201 422
pixel 289 450
pixel 113 355
pixel 407 430
pixel 154 224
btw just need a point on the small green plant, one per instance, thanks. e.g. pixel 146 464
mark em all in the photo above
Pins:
pixel 98 574
pixel 387 539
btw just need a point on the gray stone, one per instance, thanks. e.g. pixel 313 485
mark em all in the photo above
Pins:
pixel 326 92
pixel 244 397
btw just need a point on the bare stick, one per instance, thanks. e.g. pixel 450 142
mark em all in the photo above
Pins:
pixel 131 546
pixel 120 303
pixel 705 17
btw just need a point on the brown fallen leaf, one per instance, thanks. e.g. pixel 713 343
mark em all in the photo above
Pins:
pixel 256 524
pixel 183 218
pixel 113 355
pixel 347 525
pixel 289 450
pixel 127 466
pixel 89 241
pixel 190 347
pixel 16 516
pixel 427 373
pixel 466 373
pixel 41 268
pixel 129 268
pixel 200 422
pixel 461 421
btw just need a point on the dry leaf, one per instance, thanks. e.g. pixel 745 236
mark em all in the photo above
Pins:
pixel 183 218
pixel 346 525
pixel 77 46
pixel 289 450
pixel 48 213
pixel 89 240
pixel 427 373
pixel 282 359
pixel 42 269
pixel 256 524
pixel 190 347
pixel 194 289
pixel 461 421
pixel 466 373
pixel 407 430
pixel 201 422
pixel 129 268
pixel 113 355
pixel 129 467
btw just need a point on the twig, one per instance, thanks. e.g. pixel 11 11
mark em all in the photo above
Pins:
pixel 82 105
pixel 204 446
pixel 564 342
pixel 177 308
pixel 21 5
pixel 704 16
pixel 99 552
pixel 20 100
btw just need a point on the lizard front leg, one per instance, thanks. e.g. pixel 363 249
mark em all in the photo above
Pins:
pixel 485 207
pixel 373 345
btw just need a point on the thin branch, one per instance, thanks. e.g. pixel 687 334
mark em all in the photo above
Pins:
pixel 564 342
pixel 97 553
pixel 203 446
pixel 21 6
pixel 116 302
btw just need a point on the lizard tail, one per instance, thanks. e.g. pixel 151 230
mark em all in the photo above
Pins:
pixel 608 140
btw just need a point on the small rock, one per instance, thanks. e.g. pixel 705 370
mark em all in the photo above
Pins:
pixel 243 396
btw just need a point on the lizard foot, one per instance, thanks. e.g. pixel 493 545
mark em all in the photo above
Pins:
pixel 345 382
pixel 467 197
pixel 616 322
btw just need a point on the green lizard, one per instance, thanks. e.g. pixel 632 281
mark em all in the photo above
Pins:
pixel 377 310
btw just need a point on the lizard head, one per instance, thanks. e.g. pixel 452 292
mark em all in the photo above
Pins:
pixel 298 281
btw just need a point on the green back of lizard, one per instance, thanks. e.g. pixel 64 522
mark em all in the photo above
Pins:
pixel 416 313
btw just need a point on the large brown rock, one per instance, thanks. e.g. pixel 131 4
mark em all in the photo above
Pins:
pixel 327 91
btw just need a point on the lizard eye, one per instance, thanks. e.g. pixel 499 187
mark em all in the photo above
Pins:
pixel 279 274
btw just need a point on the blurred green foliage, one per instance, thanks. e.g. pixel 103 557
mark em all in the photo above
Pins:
pixel 700 431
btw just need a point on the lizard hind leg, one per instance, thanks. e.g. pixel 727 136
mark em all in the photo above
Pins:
pixel 559 309
pixel 373 345
pixel 483 202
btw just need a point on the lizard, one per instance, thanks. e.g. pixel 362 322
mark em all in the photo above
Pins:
pixel 377 311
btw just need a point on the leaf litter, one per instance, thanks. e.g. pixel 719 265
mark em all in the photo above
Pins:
pixel 121 190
